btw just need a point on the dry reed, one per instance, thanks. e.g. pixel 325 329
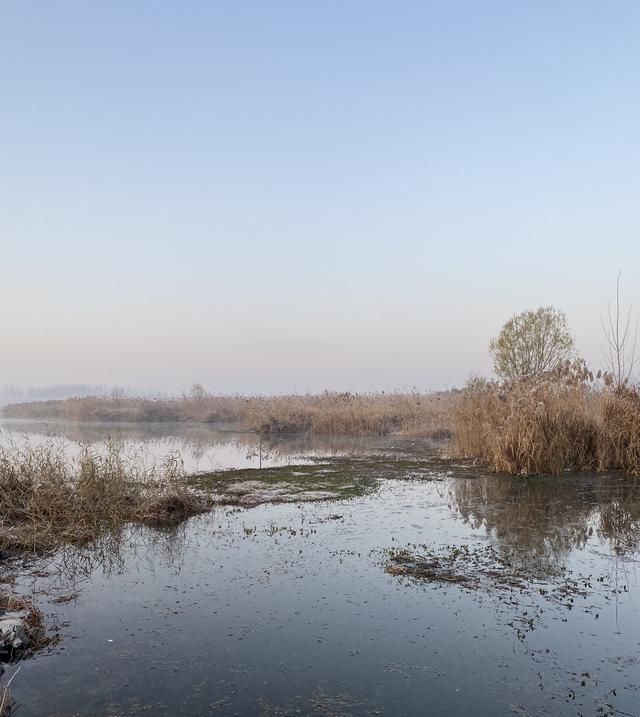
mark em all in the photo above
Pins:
pixel 328 413
pixel 564 421
pixel 46 499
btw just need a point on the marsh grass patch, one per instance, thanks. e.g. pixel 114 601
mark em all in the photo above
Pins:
pixel 323 480
pixel 562 421
pixel 47 500
pixel 330 413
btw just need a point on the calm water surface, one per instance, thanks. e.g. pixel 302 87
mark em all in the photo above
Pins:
pixel 202 447
pixel 287 609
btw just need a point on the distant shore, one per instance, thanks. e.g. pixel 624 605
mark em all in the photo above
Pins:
pixel 329 413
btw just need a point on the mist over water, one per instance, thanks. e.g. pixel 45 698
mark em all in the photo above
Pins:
pixel 200 447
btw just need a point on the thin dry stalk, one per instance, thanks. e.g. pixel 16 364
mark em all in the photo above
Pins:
pixel 5 696
pixel 622 341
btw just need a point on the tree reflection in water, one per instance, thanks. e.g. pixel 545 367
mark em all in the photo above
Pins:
pixel 549 517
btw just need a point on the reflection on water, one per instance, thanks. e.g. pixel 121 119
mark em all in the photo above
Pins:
pixel 287 610
pixel 202 447
pixel 112 554
pixel 553 516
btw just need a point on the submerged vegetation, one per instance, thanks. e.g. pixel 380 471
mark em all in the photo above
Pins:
pixel 46 499
pixel 286 484
pixel 335 479
pixel 459 564
pixel 328 413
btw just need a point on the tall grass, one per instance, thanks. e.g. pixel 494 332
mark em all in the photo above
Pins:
pixel 563 421
pixel 45 499
pixel 328 413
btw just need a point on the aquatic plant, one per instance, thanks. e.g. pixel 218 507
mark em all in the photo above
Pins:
pixel 46 499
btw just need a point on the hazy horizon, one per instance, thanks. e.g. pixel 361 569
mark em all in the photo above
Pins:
pixel 289 197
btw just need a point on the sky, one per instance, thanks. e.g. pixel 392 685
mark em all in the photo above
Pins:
pixel 296 196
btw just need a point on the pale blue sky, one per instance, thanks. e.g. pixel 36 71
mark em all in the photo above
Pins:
pixel 273 196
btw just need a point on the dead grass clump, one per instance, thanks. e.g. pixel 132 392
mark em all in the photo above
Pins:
pixel 21 632
pixel 171 508
pixel 328 413
pixel 332 413
pixel 428 568
pixel 562 421
pixel 31 635
pixel 619 441
pixel 470 568
pixel 45 499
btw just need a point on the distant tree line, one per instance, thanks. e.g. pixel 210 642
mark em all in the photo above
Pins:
pixel 16 394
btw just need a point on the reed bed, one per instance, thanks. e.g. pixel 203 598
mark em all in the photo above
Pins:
pixel 353 414
pixel 47 499
pixel 565 421
pixel 328 413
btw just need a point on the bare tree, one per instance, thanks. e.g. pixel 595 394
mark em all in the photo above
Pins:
pixel 620 354
pixel 532 343
pixel 117 394
pixel 197 392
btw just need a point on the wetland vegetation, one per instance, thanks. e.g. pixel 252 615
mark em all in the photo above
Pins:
pixel 492 513
pixel 563 421
pixel 328 413
pixel 47 499
pixel 395 567
pixel 305 580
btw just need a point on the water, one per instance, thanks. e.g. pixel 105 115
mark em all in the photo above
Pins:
pixel 287 609
pixel 202 447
